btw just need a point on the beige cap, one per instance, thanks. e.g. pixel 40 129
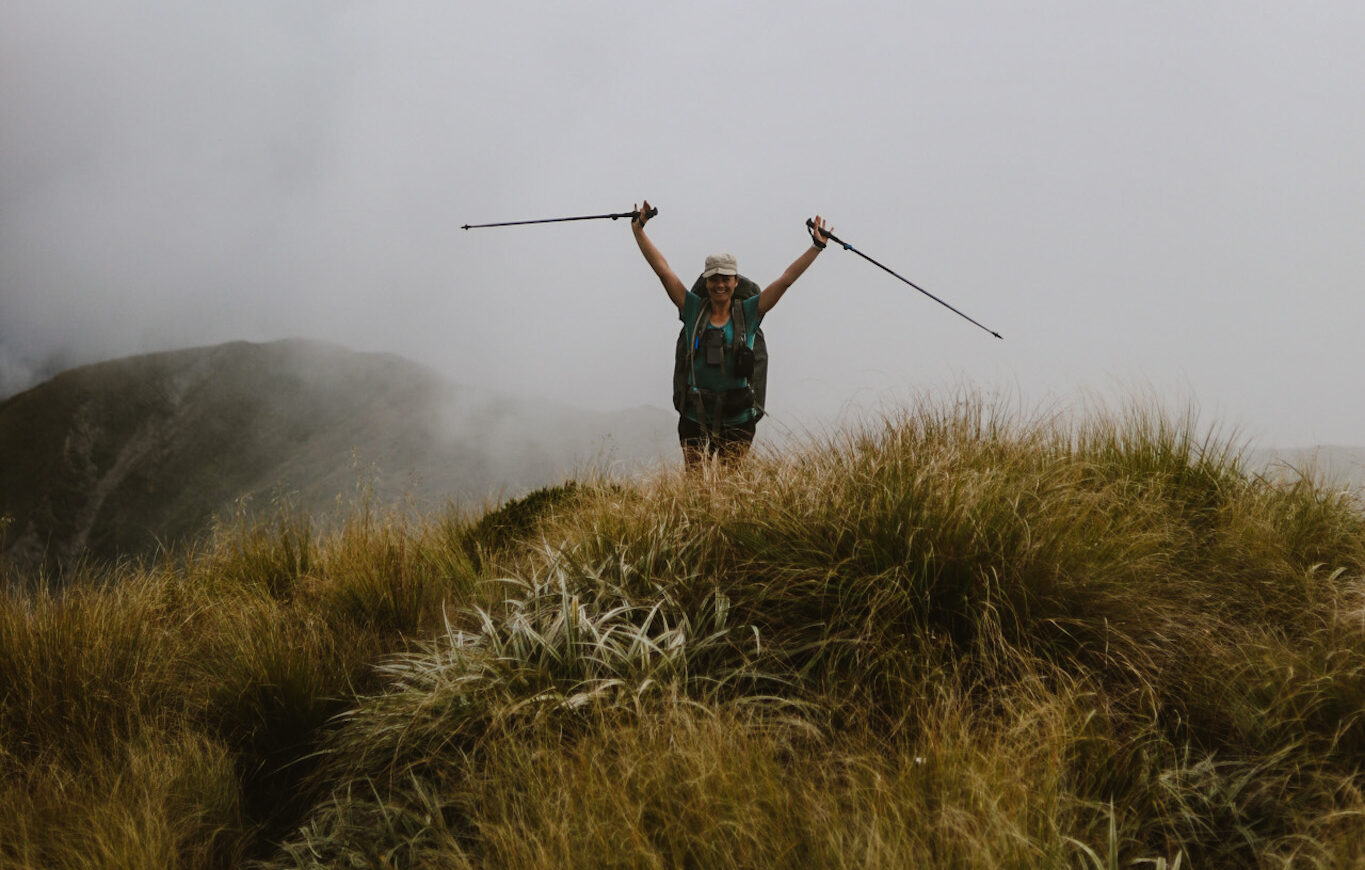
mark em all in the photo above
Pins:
pixel 720 264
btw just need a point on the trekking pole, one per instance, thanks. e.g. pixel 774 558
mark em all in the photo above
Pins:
pixel 810 224
pixel 587 217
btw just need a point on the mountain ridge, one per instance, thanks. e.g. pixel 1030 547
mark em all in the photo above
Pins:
pixel 126 456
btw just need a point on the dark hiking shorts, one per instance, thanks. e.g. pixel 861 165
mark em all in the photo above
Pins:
pixel 731 443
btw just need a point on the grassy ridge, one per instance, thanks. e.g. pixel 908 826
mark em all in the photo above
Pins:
pixel 956 638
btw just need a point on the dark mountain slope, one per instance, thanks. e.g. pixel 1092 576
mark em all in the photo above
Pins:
pixel 108 459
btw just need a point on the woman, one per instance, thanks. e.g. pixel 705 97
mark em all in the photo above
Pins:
pixel 717 415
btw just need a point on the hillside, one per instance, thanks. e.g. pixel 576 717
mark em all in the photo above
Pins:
pixel 112 459
pixel 952 640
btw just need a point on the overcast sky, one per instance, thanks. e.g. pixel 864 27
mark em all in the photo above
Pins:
pixel 1162 198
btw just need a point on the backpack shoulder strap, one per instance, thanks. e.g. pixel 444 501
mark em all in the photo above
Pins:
pixel 741 337
pixel 693 338
pixel 741 325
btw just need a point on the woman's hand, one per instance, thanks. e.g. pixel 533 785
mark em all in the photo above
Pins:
pixel 819 235
pixel 642 215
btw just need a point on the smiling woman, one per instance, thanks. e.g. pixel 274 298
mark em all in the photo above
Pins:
pixel 717 410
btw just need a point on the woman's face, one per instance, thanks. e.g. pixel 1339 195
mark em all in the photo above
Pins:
pixel 720 287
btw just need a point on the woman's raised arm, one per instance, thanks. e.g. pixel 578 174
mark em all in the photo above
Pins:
pixel 773 292
pixel 674 286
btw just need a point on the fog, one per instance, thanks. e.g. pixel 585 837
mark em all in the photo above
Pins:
pixel 1154 199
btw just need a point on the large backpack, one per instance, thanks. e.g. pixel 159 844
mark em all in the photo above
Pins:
pixel 758 381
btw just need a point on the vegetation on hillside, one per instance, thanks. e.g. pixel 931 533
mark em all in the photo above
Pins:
pixel 952 638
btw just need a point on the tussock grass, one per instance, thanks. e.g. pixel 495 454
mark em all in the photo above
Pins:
pixel 159 800
pixel 168 715
pixel 955 637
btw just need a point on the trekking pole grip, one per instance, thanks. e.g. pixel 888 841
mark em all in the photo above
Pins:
pixel 810 225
